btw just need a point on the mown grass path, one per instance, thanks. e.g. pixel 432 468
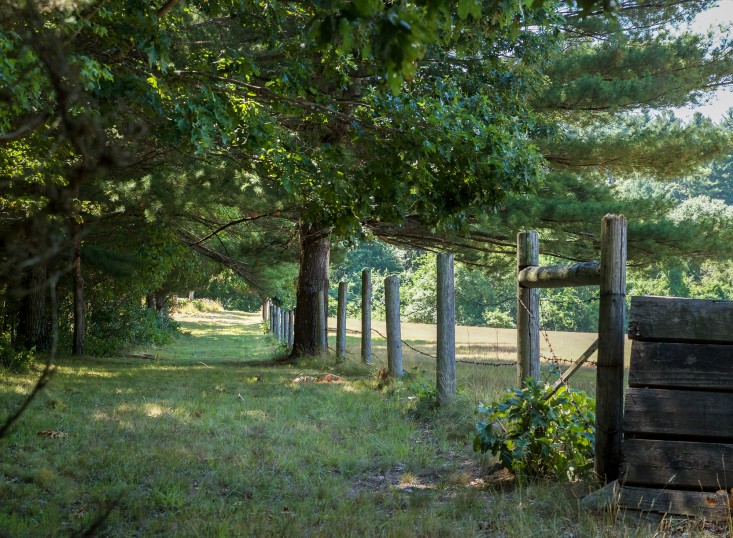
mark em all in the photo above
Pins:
pixel 199 442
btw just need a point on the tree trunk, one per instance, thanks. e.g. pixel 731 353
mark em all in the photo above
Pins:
pixel 160 298
pixel 32 319
pixel 315 250
pixel 150 300
pixel 77 346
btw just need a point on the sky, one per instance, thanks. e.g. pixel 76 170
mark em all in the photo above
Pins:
pixel 723 99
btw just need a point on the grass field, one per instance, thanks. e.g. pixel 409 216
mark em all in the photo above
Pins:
pixel 202 441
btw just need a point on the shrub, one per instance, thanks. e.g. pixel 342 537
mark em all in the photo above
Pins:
pixel 12 359
pixel 539 437
pixel 198 305
pixel 498 319
pixel 115 327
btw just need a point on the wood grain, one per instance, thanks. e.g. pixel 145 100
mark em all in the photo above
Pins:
pixel 672 319
pixel 692 366
pixel 677 464
pixel 713 506
pixel 561 276
pixel 679 413
pixel 610 367
pixel 528 311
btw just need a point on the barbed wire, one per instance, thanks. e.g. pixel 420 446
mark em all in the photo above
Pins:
pixel 566 301
pixel 500 302
pixel 421 352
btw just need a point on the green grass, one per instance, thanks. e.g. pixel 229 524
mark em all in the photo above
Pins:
pixel 201 442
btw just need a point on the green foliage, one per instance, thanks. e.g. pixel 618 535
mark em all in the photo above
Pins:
pixel 536 437
pixel 116 326
pixel 198 305
pixel 418 289
pixel 14 360
pixel 418 398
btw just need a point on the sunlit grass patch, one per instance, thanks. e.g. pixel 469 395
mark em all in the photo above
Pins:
pixel 201 442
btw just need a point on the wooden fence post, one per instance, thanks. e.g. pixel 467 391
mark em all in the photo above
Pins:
pixel 341 322
pixel 280 323
pixel 291 328
pixel 394 336
pixel 528 311
pixel 272 317
pixel 611 328
pixel 286 327
pixel 265 308
pixel 276 322
pixel 325 315
pixel 366 316
pixel 446 344
pixel 322 348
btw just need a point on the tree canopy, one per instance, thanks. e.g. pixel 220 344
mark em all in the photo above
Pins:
pixel 241 128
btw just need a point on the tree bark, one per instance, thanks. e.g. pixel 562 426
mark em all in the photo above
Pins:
pixel 160 297
pixel 150 300
pixel 32 319
pixel 79 339
pixel 315 250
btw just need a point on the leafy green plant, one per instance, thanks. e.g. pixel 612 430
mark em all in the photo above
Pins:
pixel 537 436
pixel 116 327
pixel 12 359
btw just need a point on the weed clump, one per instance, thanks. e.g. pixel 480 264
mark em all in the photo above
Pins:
pixel 14 360
pixel 538 435
pixel 185 306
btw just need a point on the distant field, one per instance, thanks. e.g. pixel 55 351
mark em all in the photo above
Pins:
pixel 485 343
pixel 481 344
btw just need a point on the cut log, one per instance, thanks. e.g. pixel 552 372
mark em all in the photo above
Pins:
pixel 561 276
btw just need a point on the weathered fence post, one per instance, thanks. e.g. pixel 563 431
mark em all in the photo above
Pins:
pixel 341 322
pixel 291 328
pixel 322 348
pixel 394 336
pixel 366 316
pixel 280 323
pixel 528 311
pixel 325 315
pixel 286 327
pixel 265 308
pixel 446 364
pixel 272 317
pixel 276 322
pixel 611 328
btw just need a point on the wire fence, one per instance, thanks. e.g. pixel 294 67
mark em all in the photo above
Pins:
pixel 550 357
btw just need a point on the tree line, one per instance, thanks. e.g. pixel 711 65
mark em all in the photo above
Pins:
pixel 144 147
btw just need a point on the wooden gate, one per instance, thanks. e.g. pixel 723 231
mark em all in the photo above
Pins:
pixel 678 415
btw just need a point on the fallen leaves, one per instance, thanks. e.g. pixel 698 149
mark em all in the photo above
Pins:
pixel 53 434
pixel 325 378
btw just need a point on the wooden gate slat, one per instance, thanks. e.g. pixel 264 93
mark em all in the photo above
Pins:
pixel 679 413
pixel 713 506
pixel 673 319
pixel 677 464
pixel 692 366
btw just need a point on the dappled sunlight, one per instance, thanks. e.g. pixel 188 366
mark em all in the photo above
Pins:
pixel 256 413
pixel 153 410
pixel 356 389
